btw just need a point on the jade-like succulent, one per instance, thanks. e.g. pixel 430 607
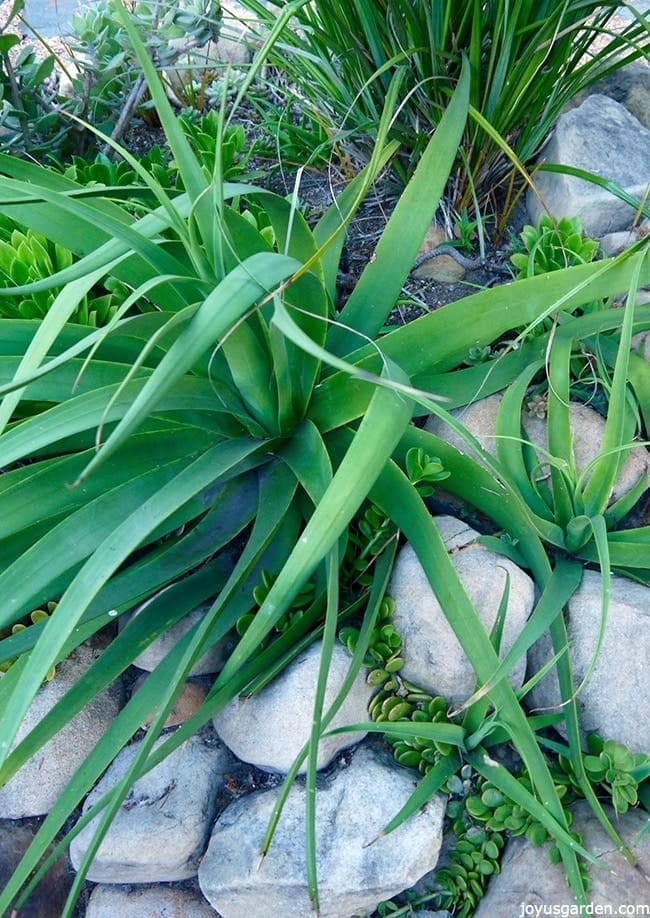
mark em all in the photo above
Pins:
pixel 26 257
pixel 611 767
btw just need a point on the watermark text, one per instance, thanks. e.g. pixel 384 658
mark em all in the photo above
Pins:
pixel 565 911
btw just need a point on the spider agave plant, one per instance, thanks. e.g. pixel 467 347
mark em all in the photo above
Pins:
pixel 238 409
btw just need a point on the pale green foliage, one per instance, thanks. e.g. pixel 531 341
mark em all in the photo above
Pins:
pixel 27 257
pixel 551 245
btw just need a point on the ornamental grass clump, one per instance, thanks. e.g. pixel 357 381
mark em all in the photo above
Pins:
pixel 527 59
pixel 228 435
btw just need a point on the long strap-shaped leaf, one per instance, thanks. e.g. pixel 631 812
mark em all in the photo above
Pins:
pixel 86 412
pixel 380 430
pixel 227 304
pixel 165 680
pixel 115 549
pixel 442 339
pixel 398 498
pixel 598 489
pixel 379 286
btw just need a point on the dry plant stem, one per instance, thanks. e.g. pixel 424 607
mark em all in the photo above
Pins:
pixel 133 100
pixel 15 94
pixel 445 248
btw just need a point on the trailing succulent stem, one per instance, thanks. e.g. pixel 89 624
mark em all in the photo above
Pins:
pixel 480 814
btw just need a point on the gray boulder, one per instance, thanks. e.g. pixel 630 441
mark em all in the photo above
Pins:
pixel 269 729
pixel 602 137
pixel 434 659
pixel 210 663
pixel 587 427
pixel 615 701
pixel 630 86
pixel 147 902
pixel 356 868
pixel 35 789
pixel 162 827
pixel 530 885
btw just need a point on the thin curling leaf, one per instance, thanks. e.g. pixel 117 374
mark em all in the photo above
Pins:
pixel 238 292
pixel 285 323
pixel 328 642
pixel 383 279
pixel 642 208
pixel 563 583
pixel 454 734
pixel 599 529
pixel 380 580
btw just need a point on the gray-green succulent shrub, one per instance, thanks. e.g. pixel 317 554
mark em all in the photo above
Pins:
pixel 108 68
pixel 104 84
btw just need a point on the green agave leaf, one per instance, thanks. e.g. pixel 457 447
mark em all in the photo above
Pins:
pixel 509 442
pixel 115 549
pixel 232 509
pixel 464 385
pixel 66 377
pixel 597 490
pixel 563 582
pixel 387 416
pixel 627 548
pixel 429 785
pixel 87 412
pixel 229 302
pixel 383 279
pixel 563 476
pixel 442 339
pixel 124 237
pixel 153 620
pixel 397 497
pixel 328 232
pixel 40 490
pixel 28 580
